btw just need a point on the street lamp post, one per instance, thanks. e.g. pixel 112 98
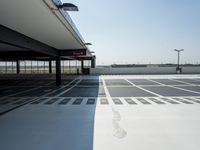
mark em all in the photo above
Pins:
pixel 178 62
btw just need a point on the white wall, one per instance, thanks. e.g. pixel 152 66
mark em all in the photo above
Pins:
pixel 143 70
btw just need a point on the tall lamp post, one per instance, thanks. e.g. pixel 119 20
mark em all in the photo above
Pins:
pixel 178 62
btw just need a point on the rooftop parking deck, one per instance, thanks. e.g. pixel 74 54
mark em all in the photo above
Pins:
pixel 100 112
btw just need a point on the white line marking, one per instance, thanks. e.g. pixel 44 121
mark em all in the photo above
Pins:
pixel 62 87
pixel 182 82
pixel 67 90
pixel 143 88
pixel 23 91
pixel 50 83
pixel 156 82
pixel 106 90
pixel 181 89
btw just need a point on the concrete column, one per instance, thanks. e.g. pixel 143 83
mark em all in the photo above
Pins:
pixel 93 62
pixel 50 66
pixel 82 65
pixel 58 72
pixel 18 66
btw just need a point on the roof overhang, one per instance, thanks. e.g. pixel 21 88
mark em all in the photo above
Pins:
pixel 41 23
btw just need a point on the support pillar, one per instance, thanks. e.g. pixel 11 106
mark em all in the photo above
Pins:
pixel 93 62
pixel 58 72
pixel 18 66
pixel 82 66
pixel 50 66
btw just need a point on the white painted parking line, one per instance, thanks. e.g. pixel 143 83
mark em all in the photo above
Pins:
pixel 62 87
pixel 157 82
pixel 50 83
pixel 107 92
pixel 11 95
pixel 67 90
pixel 182 82
pixel 143 88
pixel 172 86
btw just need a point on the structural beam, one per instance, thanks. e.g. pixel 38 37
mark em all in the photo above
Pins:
pixel 13 38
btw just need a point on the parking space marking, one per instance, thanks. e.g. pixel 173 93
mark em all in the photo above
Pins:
pixel 169 100
pixel 193 100
pixel 106 91
pixel 62 87
pixel 172 86
pixel 104 101
pixel 143 101
pixel 21 92
pixel 64 101
pixel 184 89
pixel 182 82
pixel 143 88
pixel 117 101
pixel 120 101
pixel 157 82
pixel 50 83
pixel 130 101
pixel 33 99
pixel 156 101
pixel 91 101
pixel 67 90
pixel 77 101
pixel 40 100
pixel 182 100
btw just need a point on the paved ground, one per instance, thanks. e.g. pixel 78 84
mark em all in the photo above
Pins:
pixel 100 113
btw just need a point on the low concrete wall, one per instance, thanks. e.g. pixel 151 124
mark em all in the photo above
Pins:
pixel 143 70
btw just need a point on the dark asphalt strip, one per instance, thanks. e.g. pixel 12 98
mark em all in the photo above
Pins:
pixel 18 106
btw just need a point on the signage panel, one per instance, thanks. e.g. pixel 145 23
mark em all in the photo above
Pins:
pixel 79 52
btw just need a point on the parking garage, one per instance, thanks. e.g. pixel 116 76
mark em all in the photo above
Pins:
pixel 37 35
pixel 38 44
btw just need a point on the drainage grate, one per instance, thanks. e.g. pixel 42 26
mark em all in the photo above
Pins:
pixel 91 101
pixel 129 101
pixel 169 101
pixel 104 101
pixel 117 101
pixel 156 101
pixel 39 101
pixel 143 101
pixel 53 100
pixel 78 101
pixel 182 100
pixel 64 101
pixel 194 100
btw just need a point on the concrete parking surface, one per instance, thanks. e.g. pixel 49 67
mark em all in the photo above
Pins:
pixel 101 113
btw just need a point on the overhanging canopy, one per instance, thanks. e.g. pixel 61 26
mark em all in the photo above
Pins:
pixel 42 22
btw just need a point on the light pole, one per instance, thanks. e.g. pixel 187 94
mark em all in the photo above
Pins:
pixel 178 63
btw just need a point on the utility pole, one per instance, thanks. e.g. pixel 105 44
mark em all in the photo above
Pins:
pixel 178 62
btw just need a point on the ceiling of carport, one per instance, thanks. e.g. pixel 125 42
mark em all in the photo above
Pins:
pixel 5 47
pixel 34 19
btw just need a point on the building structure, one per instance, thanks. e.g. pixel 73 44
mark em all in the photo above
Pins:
pixel 40 30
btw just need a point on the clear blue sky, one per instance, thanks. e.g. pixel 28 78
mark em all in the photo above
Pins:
pixel 140 31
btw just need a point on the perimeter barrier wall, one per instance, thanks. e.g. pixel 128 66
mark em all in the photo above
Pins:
pixel 143 70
